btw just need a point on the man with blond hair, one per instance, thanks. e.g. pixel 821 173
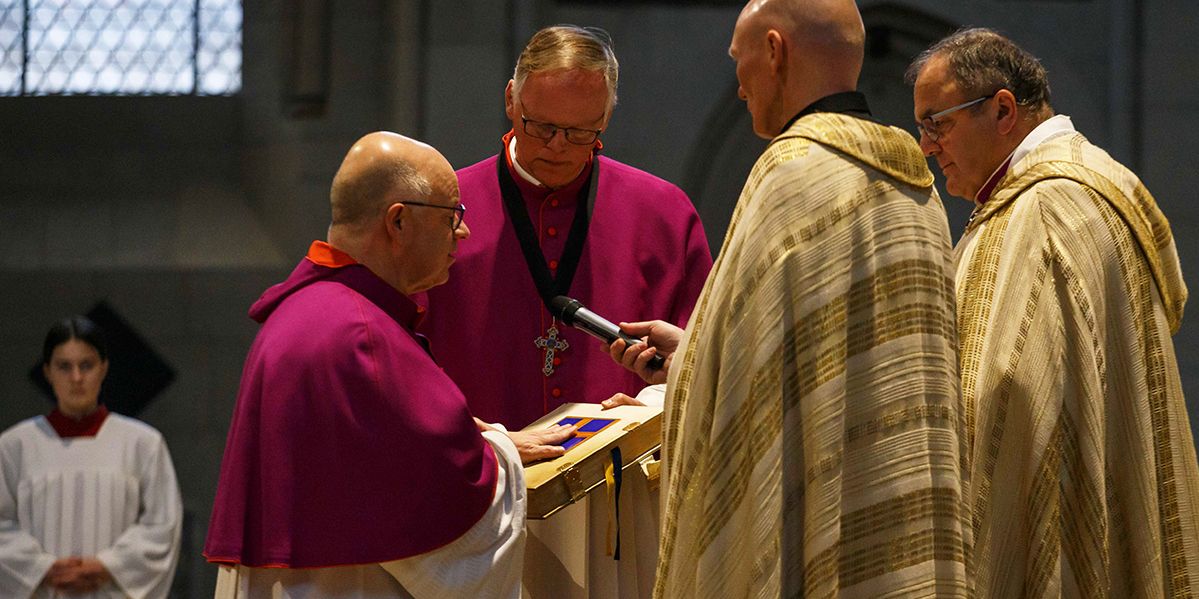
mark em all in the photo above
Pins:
pixel 550 216
pixel 1080 465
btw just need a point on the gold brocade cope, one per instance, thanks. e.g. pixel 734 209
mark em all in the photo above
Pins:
pixel 887 149
pixel 1082 473
pixel 1074 159
pixel 821 457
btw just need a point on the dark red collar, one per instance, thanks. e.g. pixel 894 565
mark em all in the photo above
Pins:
pixel 988 188
pixel 68 427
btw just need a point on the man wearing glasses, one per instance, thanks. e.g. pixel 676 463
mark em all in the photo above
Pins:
pixel 353 467
pixel 549 216
pixel 1081 470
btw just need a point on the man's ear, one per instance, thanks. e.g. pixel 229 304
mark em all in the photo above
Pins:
pixel 775 46
pixel 509 103
pixel 1006 111
pixel 395 218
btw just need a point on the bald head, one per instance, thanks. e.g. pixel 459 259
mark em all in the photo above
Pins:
pixel 802 50
pixel 395 211
pixel 380 169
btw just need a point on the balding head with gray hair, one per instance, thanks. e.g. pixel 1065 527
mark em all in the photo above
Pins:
pixel 371 179
pixel 565 47
pixel 394 202
pixel 982 62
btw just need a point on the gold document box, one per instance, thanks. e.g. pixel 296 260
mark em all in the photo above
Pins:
pixel 555 484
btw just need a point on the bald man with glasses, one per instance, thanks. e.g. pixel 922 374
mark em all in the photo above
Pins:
pixel 1078 464
pixel 353 468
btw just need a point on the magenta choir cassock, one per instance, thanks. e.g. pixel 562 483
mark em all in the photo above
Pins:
pixel 645 257
pixel 348 444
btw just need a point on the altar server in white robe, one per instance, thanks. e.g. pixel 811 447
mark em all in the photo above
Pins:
pixel 89 505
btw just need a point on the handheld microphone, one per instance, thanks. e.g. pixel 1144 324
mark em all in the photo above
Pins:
pixel 574 314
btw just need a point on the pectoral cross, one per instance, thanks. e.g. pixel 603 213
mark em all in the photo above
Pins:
pixel 551 343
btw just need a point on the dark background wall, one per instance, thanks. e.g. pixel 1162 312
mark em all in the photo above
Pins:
pixel 177 212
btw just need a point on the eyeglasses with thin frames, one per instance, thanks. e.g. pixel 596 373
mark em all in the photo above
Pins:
pixel 459 211
pixel 574 135
pixel 930 125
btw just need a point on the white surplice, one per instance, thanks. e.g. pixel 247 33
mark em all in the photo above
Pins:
pixel 112 496
pixel 485 562
pixel 568 553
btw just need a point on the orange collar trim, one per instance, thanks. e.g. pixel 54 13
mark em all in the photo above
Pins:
pixel 323 254
pixel 505 140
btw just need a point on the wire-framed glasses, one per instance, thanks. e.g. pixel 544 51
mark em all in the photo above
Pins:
pixel 540 130
pixel 931 125
pixel 459 211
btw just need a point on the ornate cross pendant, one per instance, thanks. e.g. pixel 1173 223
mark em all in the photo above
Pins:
pixel 551 344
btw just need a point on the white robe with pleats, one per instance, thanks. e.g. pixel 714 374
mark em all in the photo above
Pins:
pixel 112 496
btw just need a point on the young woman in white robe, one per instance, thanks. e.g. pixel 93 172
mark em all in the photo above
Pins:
pixel 89 504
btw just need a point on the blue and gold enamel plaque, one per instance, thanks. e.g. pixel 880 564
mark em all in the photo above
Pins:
pixel 587 428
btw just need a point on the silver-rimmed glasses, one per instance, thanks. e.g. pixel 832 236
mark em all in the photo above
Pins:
pixel 574 135
pixel 930 125
pixel 459 211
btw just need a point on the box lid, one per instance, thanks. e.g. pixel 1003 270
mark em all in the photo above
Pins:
pixel 557 483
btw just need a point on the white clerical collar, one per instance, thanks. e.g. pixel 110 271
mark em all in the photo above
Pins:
pixel 1047 130
pixel 516 165
pixel 1051 128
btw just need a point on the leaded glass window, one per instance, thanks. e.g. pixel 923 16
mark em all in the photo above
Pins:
pixel 120 47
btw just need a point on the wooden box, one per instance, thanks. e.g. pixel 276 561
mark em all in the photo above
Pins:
pixel 557 483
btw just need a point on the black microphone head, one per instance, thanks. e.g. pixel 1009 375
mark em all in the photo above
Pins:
pixel 565 308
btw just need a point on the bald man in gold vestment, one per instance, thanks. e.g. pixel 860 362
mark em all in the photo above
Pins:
pixel 810 446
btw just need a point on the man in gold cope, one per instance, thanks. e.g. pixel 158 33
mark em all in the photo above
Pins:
pixel 1080 468
pixel 810 445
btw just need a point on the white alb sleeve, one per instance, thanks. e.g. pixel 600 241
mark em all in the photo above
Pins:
pixel 487 560
pixel 653 395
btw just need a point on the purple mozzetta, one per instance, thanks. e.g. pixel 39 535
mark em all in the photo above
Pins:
pixel 348 445
pixel 645 257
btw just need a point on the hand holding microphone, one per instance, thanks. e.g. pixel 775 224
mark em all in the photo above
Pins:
pixel 649 362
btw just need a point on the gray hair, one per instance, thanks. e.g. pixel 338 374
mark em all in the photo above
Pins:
pixel 982 62
pixel 569 47
pixel 357 199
